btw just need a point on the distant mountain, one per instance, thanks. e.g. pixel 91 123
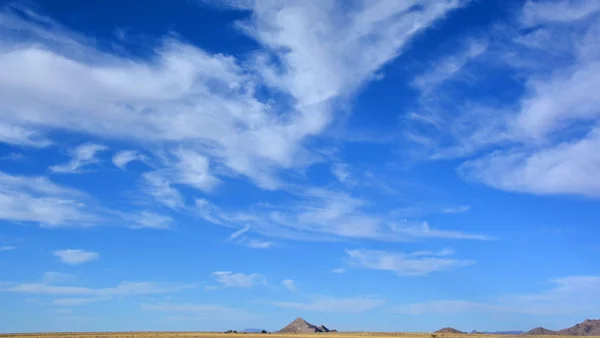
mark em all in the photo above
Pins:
pixel 449 330
pixel 496 332
pixel 589 327
pixel 323 328
pixel 300 325
pixel 540 331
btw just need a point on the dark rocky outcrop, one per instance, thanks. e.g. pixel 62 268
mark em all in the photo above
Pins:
pixel 300 325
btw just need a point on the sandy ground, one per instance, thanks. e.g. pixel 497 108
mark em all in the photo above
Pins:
pixel 253 335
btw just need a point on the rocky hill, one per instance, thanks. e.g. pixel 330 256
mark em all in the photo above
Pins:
pixel 589 327
pixel 540 331
pixel 449 330
pixel 300 325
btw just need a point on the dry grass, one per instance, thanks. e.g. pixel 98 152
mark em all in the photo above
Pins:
pixel 252 335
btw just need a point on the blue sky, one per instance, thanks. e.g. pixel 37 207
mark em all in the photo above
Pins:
pixel 368 165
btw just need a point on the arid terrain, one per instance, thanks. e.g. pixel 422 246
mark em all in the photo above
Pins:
pixel 253 335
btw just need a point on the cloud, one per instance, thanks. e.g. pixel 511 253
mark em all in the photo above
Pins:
pixel 148 220
pixel 238 280
pixel 7 248
pixel 338 270
pixel 562 299
pixel 566 168
pixel 544 140
pixel 457 209
pixel 82 156
pixel 124 157
pixel 161 190
pixel 257 244
pixel 209 102
pixel 417 264
pixel 319 214
pixel 75 256
pixel 76 301
pixel 37 199
pixel 449 67
pixel 52 277
pixel 334 305
pixel 341 172
pixel 239 238
pixel 201 311
pixel 290 284
pixel 18 135
pixel 122 289
pixel 537 12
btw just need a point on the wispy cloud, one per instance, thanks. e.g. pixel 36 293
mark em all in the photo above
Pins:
pixel 82 156
pixel 20 135
pixel 338 270
pixel 334 305
pixel 124 157
pixel 457 209
pixel 289 284
pixel 201 311
pixel 449 67
pixel 147 220
pixel 76 256
pixel 76 301
pixel 122 289
pixel 7 248
pixel 37 199
pixel 320 214
pixel 52 277
pixel 188 96
pixel 415 264
pixel 528 144
pixel 240 238
pixel 562 299
pixel 238 280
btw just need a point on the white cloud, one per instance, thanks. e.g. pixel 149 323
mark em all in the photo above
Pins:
pixel 122 289
pixel 546 140
pixel 148 220
pixel 76 301
pixel 562 299
pixel 17 135
pixel 537 12
pixel 449 67
pixel 82 156
pixel 319 214
pixel 240 238
pixel 566 168
pixel 338 270
pixel 201 311
pixel 239 233
pixel 342 172
pixel 76 256
pixel 124 157
pixel 37 199
pixel 238 280
pixel 257 244
pixel 290 284
pixel 52 277
pixel 417 264
pixel 335 305
pixel 457 209
pixel 7 248
pixel 184 95
pixel 160 189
